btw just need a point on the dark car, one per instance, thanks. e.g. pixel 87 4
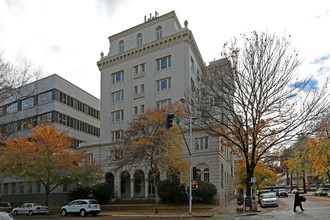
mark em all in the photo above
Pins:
pixel 282 192
pixel 5 207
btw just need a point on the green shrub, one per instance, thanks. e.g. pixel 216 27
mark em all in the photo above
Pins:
pixel 102 192
pixel 171 191
pixel 80 192
pixel 206 191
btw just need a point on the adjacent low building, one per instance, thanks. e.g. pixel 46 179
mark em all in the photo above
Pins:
pixel 51 100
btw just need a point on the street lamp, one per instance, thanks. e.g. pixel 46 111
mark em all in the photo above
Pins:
pixel 190 159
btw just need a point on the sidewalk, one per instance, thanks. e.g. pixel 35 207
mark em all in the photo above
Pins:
pixel 229 209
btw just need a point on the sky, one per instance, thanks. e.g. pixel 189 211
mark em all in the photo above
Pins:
pixel 66 37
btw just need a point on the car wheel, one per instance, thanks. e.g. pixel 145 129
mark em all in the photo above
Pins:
pixel 82 213
pixel 63 212
pixel 30 212
pixel 15 212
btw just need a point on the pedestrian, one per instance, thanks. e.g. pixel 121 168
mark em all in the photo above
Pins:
pixel 297 201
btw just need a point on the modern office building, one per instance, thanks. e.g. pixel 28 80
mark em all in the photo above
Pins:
pixel 154 64
pixel 51 100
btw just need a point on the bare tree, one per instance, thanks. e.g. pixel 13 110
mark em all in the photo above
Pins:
pixel 13 78
pixel 252 98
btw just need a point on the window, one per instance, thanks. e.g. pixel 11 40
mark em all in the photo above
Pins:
pixel 139 39
pixel 121 46
pixel 27 103
pixel 201 143
pixel 117 116
pixel 118 96
pixel 44 98
pixel 89 158
pixel 118 77
pixel 142 108
pixel 192 64
pixel 164 63
pixel 142 68
pixel 135 110
pixel 119 154
pixel 163 84
pixel 163 103
pixel 206 175
pixel 116 135
pixel 136 69
pixel 12 108
pixel 44 119
pixel 159 32
pixel 136 89
pixel 142 88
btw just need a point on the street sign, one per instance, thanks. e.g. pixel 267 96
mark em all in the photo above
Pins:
pixel 177 120
pixel 253 179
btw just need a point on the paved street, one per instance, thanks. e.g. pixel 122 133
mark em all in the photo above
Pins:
pixel 315 208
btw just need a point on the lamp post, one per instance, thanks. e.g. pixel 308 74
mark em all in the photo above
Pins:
pixel 190 159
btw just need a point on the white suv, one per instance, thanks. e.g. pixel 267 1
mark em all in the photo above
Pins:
pixel 82 207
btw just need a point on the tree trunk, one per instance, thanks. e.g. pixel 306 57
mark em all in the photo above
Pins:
pixel 304 182
pixel 249 172
pixel 47 195
pixel 291 182
pixel 156 196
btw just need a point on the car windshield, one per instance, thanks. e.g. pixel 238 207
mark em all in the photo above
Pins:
pixel 281 190
pixel 268 195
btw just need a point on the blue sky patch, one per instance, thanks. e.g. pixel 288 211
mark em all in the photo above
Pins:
pixel 321 59
pixel 306 86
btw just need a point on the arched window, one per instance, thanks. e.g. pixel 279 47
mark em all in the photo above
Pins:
pixel 206 175
pixel 121 46
pixel 139 39
pixel 159 33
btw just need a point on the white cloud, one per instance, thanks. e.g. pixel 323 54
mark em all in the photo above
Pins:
pixel 66 37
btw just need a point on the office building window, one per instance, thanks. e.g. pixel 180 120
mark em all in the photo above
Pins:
pixel 142 88
pixel 139 39
pixel 117 116
pixel 121 46
pixel 118 77
pixel 201 143
pixel 44 119
pixel 12 108
pixel 163 84
pixel 27 103
pixel 118 96
pixel 135 110
pixel 164 63
pixel 136 89
pixel 206 175
pixel 159 32
pixel 142 68
pixel 45 98
pixel 142 108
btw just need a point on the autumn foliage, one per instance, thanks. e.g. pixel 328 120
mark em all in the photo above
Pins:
pixel 46 157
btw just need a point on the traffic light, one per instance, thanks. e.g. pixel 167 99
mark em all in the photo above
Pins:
pixel 169 120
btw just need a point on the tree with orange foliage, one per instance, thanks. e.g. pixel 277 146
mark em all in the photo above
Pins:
pixel 147 143
pixel 263 175
pixel 46 158
pixel 318 150
pixel 254 100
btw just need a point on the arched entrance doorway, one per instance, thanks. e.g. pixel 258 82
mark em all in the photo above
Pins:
pixel 139 181
pixel 125 189
pixel 110 179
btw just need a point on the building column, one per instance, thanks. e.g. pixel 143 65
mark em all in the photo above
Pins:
pixel 117 184
pixel 146 188
pixel 132 187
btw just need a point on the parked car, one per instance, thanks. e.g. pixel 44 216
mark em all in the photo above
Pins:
pixel 260 193
pixel 6 216
pixel 317 192
pixel 5 207
pixel 324 192
pixel 268 199
pixel 82 207
pixel 282 192
pixel 30 209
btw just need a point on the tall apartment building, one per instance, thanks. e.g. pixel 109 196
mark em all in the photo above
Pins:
pixel 152 65
pixel 51 100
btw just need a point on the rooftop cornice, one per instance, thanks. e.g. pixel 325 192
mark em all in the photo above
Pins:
pixel 145 25
pixel 184 35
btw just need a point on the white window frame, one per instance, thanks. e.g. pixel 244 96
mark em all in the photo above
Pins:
pixel 121 46
pixel 163 84
pixel 159 32
pixel 116 135
pixel 163 103
pixel 164 63
pixel 139 39
pixel 201 143
pixel 118 96
pixel 117 116
pixel 114 77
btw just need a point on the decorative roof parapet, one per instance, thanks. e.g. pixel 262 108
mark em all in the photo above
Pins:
pixel 146 24
pixel 184 35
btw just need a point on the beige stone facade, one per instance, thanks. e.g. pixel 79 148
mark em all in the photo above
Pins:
pixel 151 65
